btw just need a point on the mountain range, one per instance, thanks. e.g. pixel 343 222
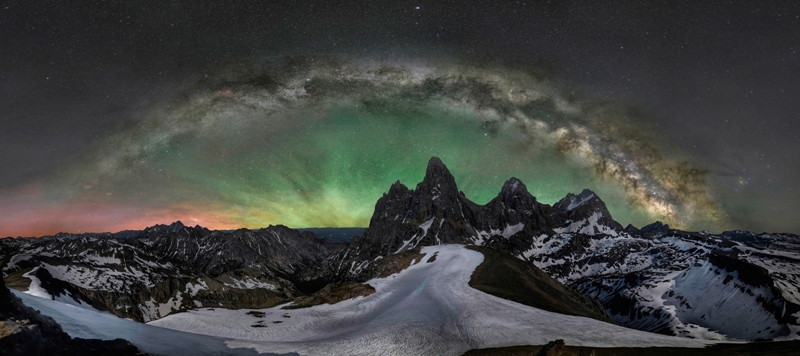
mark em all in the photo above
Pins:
pixel 569 258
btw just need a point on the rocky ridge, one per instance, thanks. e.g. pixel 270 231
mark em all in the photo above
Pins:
pixel 654 278
pixel 146 275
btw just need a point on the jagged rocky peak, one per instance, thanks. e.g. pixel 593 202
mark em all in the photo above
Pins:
pixel 176 228
pixel 162 228
pixel 514 197
pixel 393 204
pixel 514 191
pixel 432 213
pixel 397 190
pixel 438 181
pixel 438 185
pixel 513 186
pixel 588 207
pixel 654 229
pixel 582 205
pixel 437 196
pixel 632 230
pixel 514 207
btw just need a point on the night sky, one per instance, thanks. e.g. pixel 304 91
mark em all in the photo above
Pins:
pixel 243 114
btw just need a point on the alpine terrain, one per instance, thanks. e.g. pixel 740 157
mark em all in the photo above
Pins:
pixel 737 284
pixel 434 273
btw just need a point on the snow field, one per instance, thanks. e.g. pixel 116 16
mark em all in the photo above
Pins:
pixel 426 309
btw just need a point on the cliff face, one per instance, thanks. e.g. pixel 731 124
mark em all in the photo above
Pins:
pixel 436 212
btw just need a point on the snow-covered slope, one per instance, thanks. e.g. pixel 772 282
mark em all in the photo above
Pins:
pixel 78 322
pixel 427 309
pixel 691 284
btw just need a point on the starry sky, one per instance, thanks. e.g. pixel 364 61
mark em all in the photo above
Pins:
pixel 122 115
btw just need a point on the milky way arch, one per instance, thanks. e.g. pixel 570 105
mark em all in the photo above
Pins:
pixel 315 140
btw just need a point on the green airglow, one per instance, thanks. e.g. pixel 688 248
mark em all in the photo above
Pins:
pixel 328 168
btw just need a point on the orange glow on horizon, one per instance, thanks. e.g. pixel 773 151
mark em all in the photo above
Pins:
pixel 25 212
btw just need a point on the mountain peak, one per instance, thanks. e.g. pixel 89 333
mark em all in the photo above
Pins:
pixel 513 185
pixel 435 162
pixel 398 185
pixel 572 201
pixel 655 228
pixel 436 168
pixel 438 179
pixel 176 226
pixel 583 207
pixel 515 192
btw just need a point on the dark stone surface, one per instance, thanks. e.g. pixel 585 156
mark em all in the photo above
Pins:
pixel 553 348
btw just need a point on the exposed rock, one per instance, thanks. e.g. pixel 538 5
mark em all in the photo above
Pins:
pixel 553 348
pixel 510 278
pixel 332 294
pixel 654 229
pixel 435 212
pixel 632 230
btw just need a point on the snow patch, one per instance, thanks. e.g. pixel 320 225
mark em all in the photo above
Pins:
pixel 152 310
pixel 101 260
pixel 35 288
pixel 99 278
pixel 506 232
pixel 512 229
pixel 588 226
pixel 193 289
pixel 574 203
pixel 425 226
pixel 717 299
pixel 249 283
